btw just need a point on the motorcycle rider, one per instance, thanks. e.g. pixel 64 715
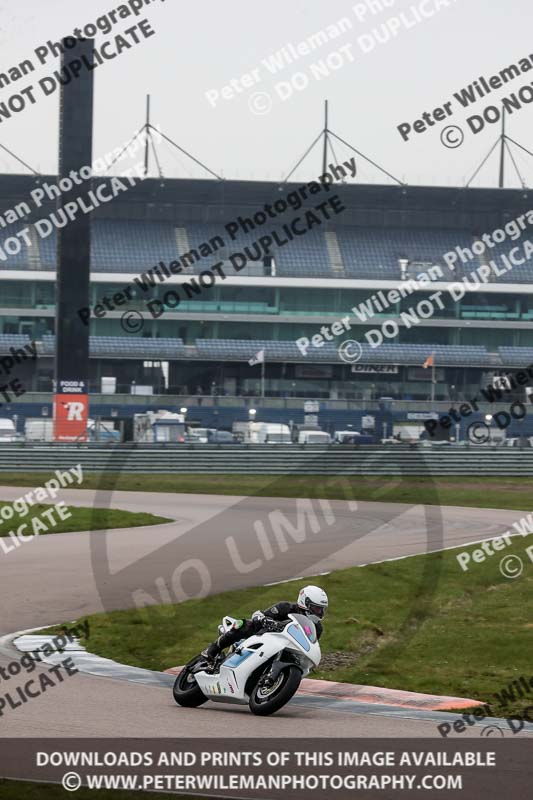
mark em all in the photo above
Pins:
pixel 312 601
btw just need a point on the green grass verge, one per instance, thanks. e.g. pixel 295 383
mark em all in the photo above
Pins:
pixel 81 519
pixel 20 790
pixel 419 624
pixel 505 493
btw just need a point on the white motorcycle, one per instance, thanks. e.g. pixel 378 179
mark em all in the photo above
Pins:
pixel 263 671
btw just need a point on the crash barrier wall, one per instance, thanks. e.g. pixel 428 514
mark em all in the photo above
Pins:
pixel 269 459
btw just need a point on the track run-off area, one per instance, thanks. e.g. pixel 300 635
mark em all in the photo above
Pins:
pixel 214 543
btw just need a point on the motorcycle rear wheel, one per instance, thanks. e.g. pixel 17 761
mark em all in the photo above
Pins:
pixel 186 691
pixel 264 702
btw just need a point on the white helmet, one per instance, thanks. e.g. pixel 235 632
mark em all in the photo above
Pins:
pixel 314 600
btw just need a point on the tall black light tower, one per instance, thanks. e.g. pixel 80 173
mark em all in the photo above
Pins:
pixel 73 250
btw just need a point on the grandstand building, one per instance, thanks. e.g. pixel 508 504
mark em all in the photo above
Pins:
pixel 192 347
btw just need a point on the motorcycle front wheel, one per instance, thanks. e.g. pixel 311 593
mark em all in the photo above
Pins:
pixel 267 700
pixel 186 691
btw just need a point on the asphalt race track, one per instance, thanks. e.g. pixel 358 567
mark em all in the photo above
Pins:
pixel 59 578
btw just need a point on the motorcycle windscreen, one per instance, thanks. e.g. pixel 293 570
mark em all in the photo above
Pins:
pixel 298 635
pixel 308 626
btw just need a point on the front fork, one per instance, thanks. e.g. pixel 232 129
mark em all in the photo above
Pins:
pixel 272 675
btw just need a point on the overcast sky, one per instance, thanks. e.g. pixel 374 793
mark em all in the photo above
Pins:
pixel 201 46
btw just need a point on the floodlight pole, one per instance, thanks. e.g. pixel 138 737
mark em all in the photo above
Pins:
pixel 502 140
pixel 502 152
pixel 147 131
pixel 325 155
pixel 147 136
pixel 327 134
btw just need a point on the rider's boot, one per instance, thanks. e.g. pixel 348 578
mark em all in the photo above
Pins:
pixel 211 652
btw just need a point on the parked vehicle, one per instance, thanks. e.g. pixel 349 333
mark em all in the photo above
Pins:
pixel 314 437
pixel 356 438
pixel 518 441
pixel 200 435
pixel 39 429
pixel 338 436
pixel 262 432
pixel 159 426
pixel 352 437
pixel 408 432
pixel 221 437
pixel 274 433
pixel 298 430
pixel 8 431
pixel 99 431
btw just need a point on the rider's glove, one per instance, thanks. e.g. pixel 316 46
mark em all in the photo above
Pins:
pixel 258 617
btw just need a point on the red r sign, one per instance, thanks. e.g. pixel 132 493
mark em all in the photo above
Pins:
pixel 71 412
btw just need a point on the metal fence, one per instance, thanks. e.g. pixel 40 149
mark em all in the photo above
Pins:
pixel 269 459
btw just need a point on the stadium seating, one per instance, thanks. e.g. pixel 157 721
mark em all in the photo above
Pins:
pixel 138 246
pixel 516 356
pixel 8 340
pixel 244 350
pixel 374 253
pixel 19 261
pixel 411 354
pixel 520 273
pixel 363 253
pixel 127 347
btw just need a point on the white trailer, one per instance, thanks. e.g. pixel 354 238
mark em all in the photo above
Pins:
pixel 39 429
pixel 314 437
pixel 8 431
pixel 159 426
pixel 274 433
pixel 262 432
